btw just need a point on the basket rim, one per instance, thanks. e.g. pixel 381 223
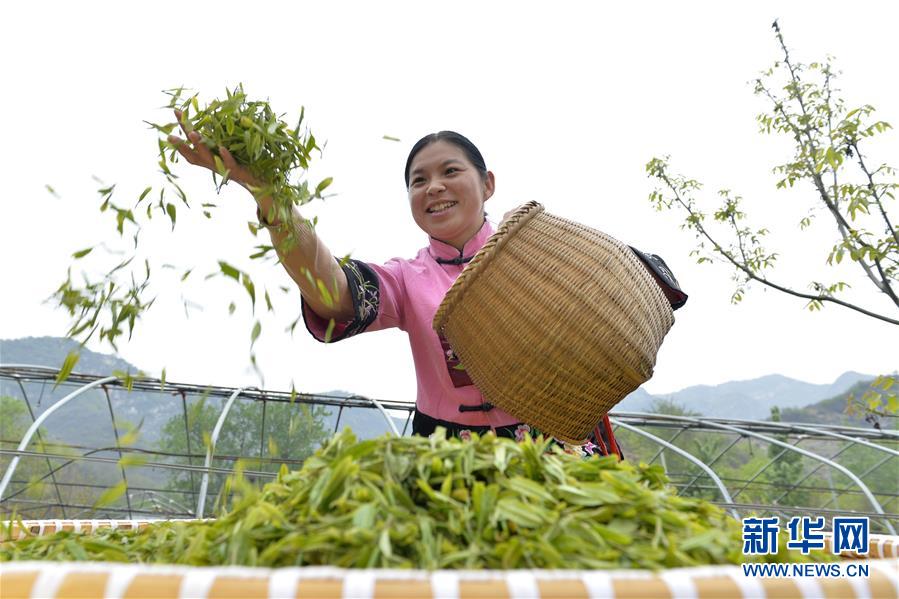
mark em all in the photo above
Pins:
pixel 511 225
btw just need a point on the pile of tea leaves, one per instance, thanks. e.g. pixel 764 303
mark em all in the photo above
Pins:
pixel 432 503
pixel 110 305
pixel 256 137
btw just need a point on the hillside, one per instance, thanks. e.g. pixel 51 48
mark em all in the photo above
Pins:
pixel 89 417
pixel 750 399
pixel 51 351
pixel 833 411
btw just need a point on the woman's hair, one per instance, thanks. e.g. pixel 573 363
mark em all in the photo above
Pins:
pixel 458 140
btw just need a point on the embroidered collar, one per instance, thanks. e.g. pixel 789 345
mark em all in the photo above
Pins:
pixel 445 253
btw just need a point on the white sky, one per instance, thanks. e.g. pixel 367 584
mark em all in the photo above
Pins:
pixel 567 104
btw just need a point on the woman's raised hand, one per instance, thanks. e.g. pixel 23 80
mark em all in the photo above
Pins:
pixel 196 152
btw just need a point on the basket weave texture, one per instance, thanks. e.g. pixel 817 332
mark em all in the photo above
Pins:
pixel 555 322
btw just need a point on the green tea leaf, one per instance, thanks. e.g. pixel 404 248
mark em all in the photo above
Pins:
pixel 111 495
pixel 323 185
pixel 171 211
pixel 129 461
pixel 250 287
pixel 66 369
pixel 229 271
pixel 254 335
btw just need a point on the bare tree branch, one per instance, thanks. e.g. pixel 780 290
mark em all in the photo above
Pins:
pixel 877 197
pixel 695 219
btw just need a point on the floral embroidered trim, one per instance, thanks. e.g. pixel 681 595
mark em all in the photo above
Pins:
pixel 521 432
pixel 423 424
pixel 364 291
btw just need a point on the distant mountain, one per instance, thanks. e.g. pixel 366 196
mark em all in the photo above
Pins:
pixel 638 401
pixel 51 351
pixel 88 417
pixel 833 411
pixel 751 399
pixel 366 423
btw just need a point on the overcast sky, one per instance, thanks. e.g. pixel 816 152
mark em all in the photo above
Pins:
pixel 567 102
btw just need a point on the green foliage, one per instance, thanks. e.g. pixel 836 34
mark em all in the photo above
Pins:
pixel 827 139
pixel 14 423
pixel 670 407
pixel 844 409
pixel 880 400
pixel 432 503
pixel 106 304
pixel 756 472
pixel 14 420
pixel 786 466
pixel 256 137
pixel 292 432
pixel 276 153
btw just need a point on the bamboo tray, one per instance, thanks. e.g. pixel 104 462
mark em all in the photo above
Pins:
pixel 65 580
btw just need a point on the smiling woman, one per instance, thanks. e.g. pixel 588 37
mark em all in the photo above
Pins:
pixel 448 184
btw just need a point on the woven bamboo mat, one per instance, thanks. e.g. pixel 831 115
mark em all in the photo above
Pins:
pixel 69 580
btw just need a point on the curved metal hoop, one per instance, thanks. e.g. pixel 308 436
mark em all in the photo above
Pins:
pixel 210 451
pixel 862 486
pixel 724 492
pixel 7 476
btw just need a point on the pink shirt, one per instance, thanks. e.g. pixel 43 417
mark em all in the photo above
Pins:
pixel 405 294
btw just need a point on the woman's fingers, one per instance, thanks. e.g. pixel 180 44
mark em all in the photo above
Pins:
pixel 181 145
pixel 196 152
pixel 230 164
pixel 184 149
pixel 238 173
pixel 227 158
pixel 195 138
pixel 202 150
pixel 179 117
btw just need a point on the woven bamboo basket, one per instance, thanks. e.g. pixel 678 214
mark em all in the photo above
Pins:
pixel 555 322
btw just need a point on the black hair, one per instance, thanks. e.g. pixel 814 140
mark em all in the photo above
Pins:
pixel 458 140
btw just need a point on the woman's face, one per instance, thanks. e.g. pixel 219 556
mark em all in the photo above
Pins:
pixel 447 194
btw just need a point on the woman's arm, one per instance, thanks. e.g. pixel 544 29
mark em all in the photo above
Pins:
pixel 306 252
pixel 305 256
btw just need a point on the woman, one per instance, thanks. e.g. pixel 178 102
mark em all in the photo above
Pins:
pixel 448 184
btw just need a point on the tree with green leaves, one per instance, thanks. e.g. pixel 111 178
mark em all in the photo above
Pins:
pixel 292 431
pixel 846 186
pixel 828 139
pixel 14 422
pixel 786 467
